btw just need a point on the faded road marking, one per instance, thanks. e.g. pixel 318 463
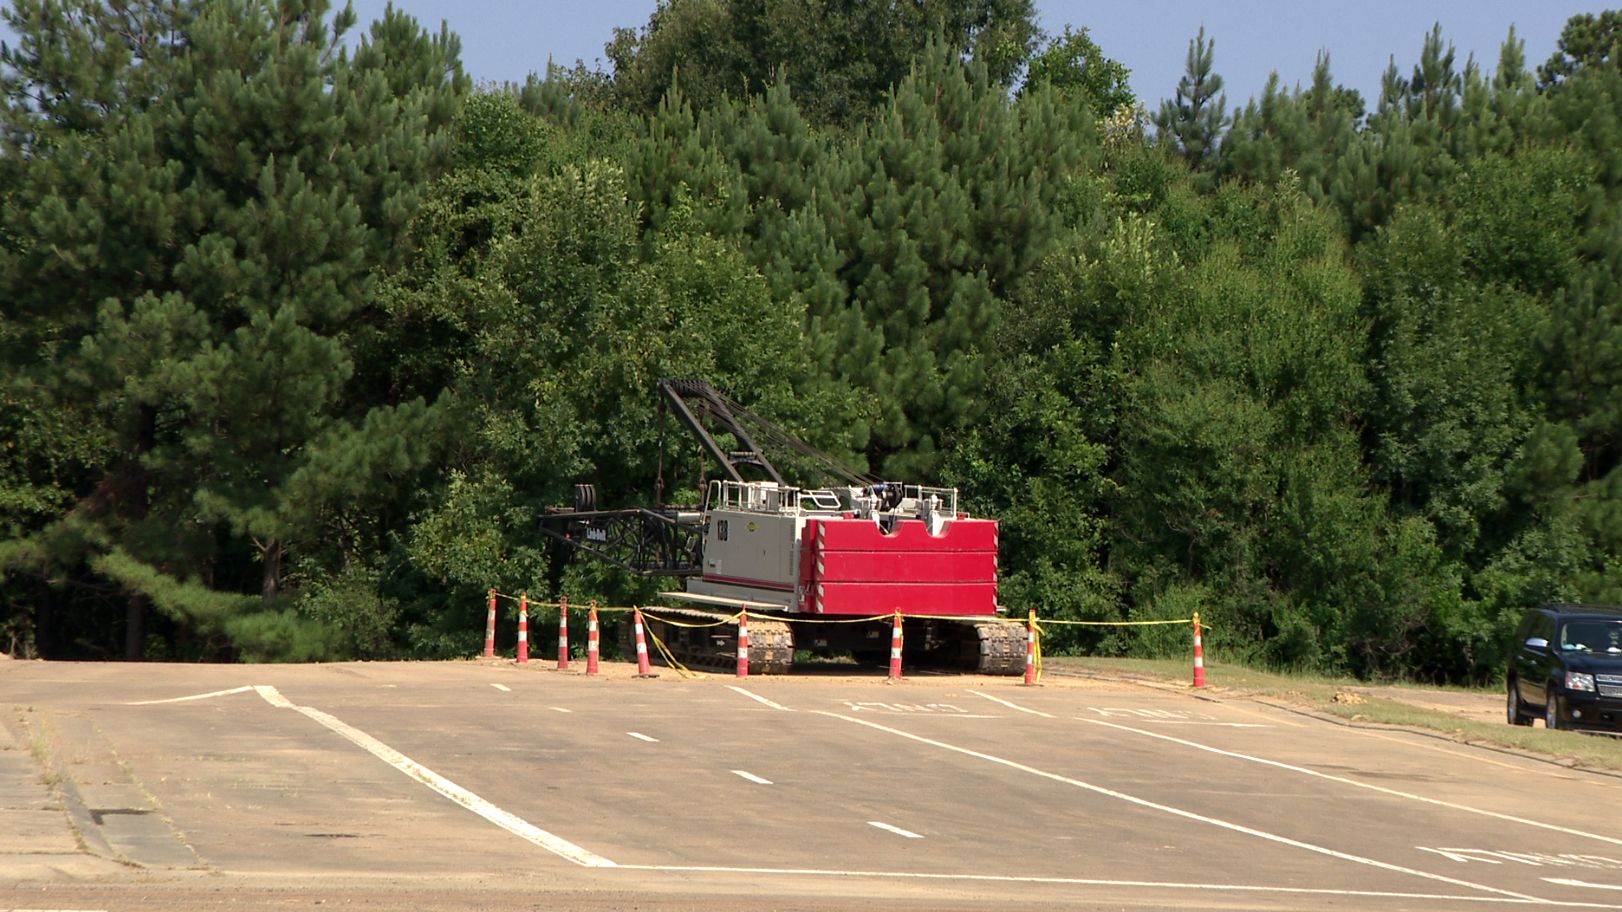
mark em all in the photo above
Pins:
pixel 1363 785
pixel 1179 812
pixel 502 687
pixel 759 699
pixel 1581 883
pixel 641 737
pixel 217 693
pixel 507 821
pixel 1012 705
pixel 751 777
pixel 894 829
pixel 1535 859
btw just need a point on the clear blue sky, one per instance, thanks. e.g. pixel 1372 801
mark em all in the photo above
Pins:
pixel 506 40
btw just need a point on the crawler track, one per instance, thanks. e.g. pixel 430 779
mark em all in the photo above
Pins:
pixel 990 646
pixel 712 645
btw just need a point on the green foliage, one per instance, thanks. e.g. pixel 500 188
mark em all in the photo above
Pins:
pixel 841 57
pixel 301 339
pixel 1193 123
pixel 224 235
pixel 1586 41
pixel 1073 64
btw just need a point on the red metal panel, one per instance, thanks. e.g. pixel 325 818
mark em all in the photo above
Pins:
pixel 850 567
pixel 912 598
pixel 910 535
pixel 905 566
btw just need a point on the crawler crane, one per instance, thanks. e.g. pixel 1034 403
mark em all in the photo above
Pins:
pixel 798 557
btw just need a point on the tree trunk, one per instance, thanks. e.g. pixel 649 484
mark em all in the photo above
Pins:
pixel 138 505
pixel 135 628
pixel 271 554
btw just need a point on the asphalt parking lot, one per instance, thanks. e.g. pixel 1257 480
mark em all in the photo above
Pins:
pixel 474 784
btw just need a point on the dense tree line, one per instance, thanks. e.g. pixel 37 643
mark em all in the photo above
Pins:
pixel 302 332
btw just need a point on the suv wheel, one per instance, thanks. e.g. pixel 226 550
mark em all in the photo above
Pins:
pixel 1551 710
pixel 1513 710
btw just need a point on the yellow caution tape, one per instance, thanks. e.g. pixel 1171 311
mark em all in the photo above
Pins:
pixel 670 658
pixel 693 625
pixel 1120 623
pixel 733 619
pixel 827 620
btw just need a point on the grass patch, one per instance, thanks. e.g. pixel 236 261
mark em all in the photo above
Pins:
pixel 1348 699
pixel 39 745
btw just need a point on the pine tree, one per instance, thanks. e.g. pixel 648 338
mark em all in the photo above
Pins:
pixel 928 216
pixel 1194 122
pixel 248 178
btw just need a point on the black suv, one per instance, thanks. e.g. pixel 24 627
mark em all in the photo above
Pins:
pixel 1568 663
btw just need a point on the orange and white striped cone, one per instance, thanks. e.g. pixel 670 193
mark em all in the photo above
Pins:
pixel 490 628
pixel 895 648
pixel 641 646
pixel 743 643
pixel 1199 654
pixel 1030 650
pixel 563 633
pixel 523 628
pixel 591 640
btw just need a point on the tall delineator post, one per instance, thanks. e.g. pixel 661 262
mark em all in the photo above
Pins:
pixel 490 628
pixel 523 628
pixel 1199 654
pixel 563 633
pixel 743 643
pixel 1030 649
pixel 895 648
pixel 591 640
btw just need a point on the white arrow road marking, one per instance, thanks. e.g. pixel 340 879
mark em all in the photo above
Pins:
pixel 1011 705
pixel 509 822
pixel 217 693
pixel 894 829
pixel 1581 883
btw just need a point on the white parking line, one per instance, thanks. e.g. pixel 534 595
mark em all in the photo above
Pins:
pixel 1363 785
pixel 509 822
pixel 751 777
pixel 1179 812
pixel 559 709
pixel 502 687
pixel 1011 705
pixel 759 699
pixel 1581 883
pixel 894 829
pixel 217 693
pixel 641 737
